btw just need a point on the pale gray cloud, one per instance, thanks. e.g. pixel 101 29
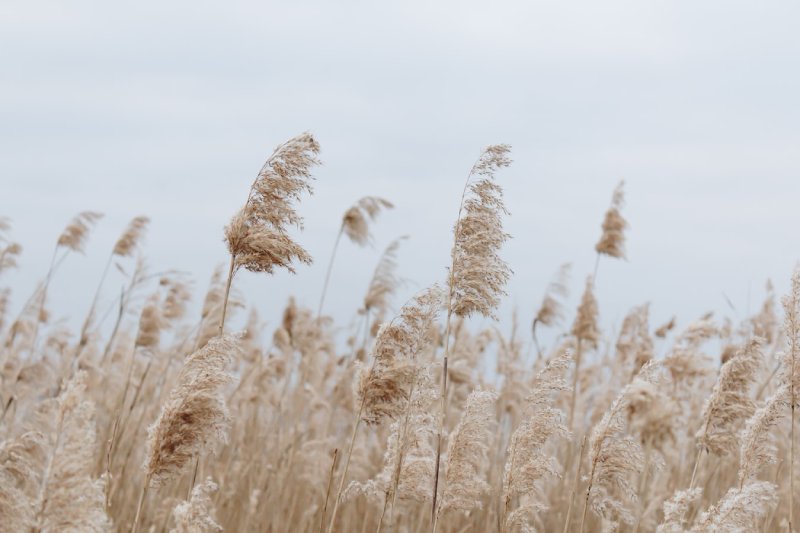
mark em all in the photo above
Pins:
pixel 169 108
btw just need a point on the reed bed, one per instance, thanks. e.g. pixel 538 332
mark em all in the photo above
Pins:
pixel 166 421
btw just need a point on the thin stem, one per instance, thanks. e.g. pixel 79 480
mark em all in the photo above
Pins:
pixel 535 340
pixel 328 490
pixel 791 461
pixel 90 315
pixel 596 265
pixel 588 493
pixel 574 486
pixel 37 320
pixel 328 273
pixel 227 294
pixel 694 470
pixel 383 513
pixel 450 291
pixel 194 477
pixel 346 466
pixel 443 415
pixel 135 527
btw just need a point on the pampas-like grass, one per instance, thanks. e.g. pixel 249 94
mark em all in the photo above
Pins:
pixel 464 479
pixel 355 222
pixel 730 404
pixel 790 360
pixel 9 251
pixel 585 328
pixel 20 460
pixel 130 238
pixel 675 510
pixel 384 282
pixel 740 511
pixel 613 457
pixel 194 419
pixel 757 440
pixel 76 233
pixel 409 459
pixel 612 240
pixel 197 514
pixel 257 236
pixel 528 462
pixel 477 275
pixel 384 388
pixel 551 309
pixel 69 498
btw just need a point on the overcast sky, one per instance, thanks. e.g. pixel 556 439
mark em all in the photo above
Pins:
pixel 169 108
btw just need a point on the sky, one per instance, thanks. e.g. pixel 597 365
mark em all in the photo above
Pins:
pixel 168 109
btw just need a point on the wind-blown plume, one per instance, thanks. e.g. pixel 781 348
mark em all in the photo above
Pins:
pixel 612 240
pixel 740 511
pixel 194 418
pixel 614 457
pixel 384 281
pixel 9 251
pixel 675 510
pixel 585 328
pixel 257 236
pixel 467 453
pixel 69 498
pixel 409 459
pixel 77 231
pixel 355 222
pixel 197 514
pixel 383 390
pixel 757 441
pixel 528 463
pixel 729 403
pixel 20 461
pixel 478 274
pixel 552 308
pixel 127 242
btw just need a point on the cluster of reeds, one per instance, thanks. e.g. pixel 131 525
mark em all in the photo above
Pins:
pixel 149 418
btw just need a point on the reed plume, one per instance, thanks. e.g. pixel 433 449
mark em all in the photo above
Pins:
pixel 467 450
pixel 69 498
pixel 130 238
pixel 612 240
pixel 197 514
pixel 551 310
pixel 76 233
pixel 758 448
pixel 739 511
pixel 385 389
pixel 257 236
pixel 477 275
pixel 20 461
pixel 790 360
pixel 729 403
pixel 194 419
pixel 384 282
pixel 528 461
pixel 9 251
pixel 613 457
pixel 675 510
pixel 355 224
pixel 587 335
